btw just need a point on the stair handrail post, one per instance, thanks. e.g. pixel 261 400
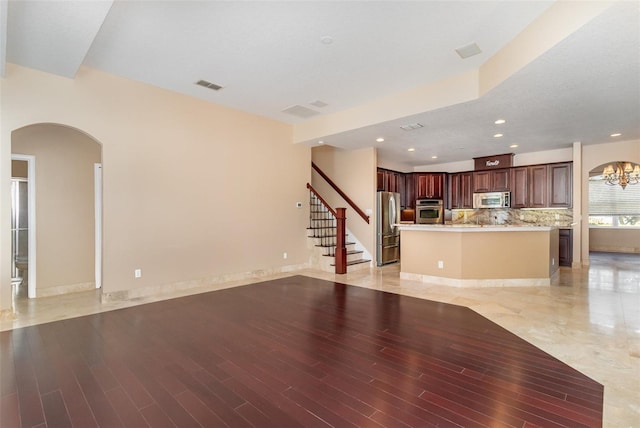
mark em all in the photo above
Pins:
pixel 341 248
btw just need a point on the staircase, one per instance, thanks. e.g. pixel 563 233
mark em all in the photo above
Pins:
pixel 322 240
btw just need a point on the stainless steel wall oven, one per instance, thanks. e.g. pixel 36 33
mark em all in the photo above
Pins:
pixel 429 211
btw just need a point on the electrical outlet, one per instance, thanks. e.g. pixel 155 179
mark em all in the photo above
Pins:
pixel 137 273
pixel 298 204
pixel 440 264
pixel 557 216
pixel 285 255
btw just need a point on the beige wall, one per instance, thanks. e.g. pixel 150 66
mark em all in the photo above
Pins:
pixel 614 240
pixel 190 189
pixel 354 171
pixel 64 160
pixel 593 156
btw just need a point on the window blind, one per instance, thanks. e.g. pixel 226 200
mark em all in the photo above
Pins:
pixel 613 200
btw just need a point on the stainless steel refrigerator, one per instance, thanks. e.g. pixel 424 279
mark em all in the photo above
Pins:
pixel 387 235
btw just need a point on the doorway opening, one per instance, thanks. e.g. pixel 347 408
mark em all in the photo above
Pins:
pixel 613 213
pixel 23 224
pixel 65 252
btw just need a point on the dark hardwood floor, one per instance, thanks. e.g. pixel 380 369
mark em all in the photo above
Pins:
pixel 287 353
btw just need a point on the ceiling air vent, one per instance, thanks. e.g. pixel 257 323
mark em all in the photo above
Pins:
pixel 300 111
pixel 208 85
pixel 469 50
pixel 411 126
pixel 318 103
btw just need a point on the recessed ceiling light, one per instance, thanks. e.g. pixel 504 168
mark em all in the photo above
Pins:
pixel 320 142
pixel 500 121
pixel 326 40
pixel 434 157
pixel 617 134
pixel 513 146
pixel 380 139
pixel 497 136
pixel 411 149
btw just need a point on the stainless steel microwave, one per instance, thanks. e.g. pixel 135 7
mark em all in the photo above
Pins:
pixel 492 200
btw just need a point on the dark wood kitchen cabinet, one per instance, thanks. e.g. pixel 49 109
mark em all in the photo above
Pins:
pixel 497 180
pixel 529 187
pixel 520 187
pixel 408 199
pixel 542 186
pixel 560 179
pixel 429 185
pixel 389 181
pixel 394 181
pixel 565 254
pixel 460 190
pixel 380 180
pixel 538 186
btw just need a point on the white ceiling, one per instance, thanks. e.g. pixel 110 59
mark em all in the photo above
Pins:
pixel 269 55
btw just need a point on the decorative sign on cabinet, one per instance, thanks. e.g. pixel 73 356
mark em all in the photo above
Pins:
pixel 493 162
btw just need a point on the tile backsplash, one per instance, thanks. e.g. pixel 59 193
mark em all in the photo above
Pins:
pixel 516 217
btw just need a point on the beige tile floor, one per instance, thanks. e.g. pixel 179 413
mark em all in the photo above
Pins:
pixel 590 318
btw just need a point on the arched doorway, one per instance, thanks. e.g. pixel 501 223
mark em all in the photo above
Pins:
pixel 63 160
pixel 613 212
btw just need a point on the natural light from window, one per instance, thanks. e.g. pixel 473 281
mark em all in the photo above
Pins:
pixel 613 206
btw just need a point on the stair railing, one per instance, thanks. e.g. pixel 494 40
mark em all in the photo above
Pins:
pixel 322 219
pixel 340 192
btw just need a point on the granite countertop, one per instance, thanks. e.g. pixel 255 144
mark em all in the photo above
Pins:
pixel 474 228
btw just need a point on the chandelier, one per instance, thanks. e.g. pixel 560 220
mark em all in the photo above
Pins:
pixel 622 173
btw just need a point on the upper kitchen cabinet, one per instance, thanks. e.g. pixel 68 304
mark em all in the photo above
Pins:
pixel 529 187
pixel 541 186
pixel 496 180
pixel 380 180
pixel 393 181
pixel 389 181
pixel 538 186
pixel 520 187
pixel 429 185
pixel 560 179
pixel 408 198
pixel 460 190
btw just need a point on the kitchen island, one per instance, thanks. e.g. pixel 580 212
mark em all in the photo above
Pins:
pixel 479 256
